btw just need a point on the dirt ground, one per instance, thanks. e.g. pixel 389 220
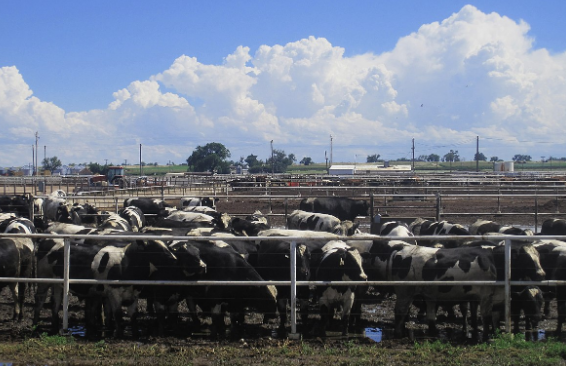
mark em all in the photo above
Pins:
pixel 377 318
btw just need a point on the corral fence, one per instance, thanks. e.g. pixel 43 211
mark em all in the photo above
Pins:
pixel 66 281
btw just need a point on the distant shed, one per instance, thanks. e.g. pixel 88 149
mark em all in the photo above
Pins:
pixel 342 170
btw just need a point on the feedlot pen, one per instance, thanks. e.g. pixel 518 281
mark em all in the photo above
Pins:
pixel 522 202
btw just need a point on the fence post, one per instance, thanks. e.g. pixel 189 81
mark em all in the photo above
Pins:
pixel 293 259
pixel 536 213
pixel 66 271
pixel 438 206
pixel 508 285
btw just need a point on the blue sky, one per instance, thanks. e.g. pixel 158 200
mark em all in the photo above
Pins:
pixel 96 79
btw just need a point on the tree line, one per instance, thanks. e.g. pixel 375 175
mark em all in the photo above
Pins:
pixel 214 158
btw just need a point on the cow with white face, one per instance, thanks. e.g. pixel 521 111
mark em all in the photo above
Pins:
pixel 338 262
pixel 303 220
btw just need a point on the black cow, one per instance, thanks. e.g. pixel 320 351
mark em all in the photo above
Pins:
pixel 273 264
pixel 342 207
pixel 338 262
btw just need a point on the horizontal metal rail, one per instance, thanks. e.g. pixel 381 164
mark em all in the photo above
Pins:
pixel 66 281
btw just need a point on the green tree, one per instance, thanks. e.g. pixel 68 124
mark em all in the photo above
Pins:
pixel 254 165
pixel 480 157
pixel 519 157
pixel 372 158
pixel 279 162
pixel 51 163
pixel 452 156
pixel 96 168
pixel 494 159
pixel 433 158
pixel 306 161
pixel 210 158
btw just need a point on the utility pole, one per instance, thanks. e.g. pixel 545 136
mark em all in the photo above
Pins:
pixel 330 150
pixel 36 151
pixel 32 160
pixel 413 148
pixel 477 153
pixel 141 169
pixel 272 161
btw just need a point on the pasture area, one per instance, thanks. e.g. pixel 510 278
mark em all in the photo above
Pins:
pixel 524 203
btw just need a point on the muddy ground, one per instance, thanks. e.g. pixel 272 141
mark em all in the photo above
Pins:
pixel 377 318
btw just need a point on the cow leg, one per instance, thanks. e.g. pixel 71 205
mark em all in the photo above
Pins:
pixel 402 306
pixel 15 290
pixel 193 311
pixel 325 315
pixel 132 312
pixel 218 324
pixel 56 300
pixel 282 308
pixel 486 308
pixel 464 305
pixel 40 298
pixel 431 317
pixel 349 300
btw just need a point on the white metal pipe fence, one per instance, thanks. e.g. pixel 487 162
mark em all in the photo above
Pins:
pixel 67 281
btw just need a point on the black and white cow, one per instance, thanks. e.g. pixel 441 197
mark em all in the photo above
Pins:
pixel 151 260
pixel 397 228
pixel 481 227
pixel 397 260
pixel 304 220
pixel 225 264
pixel 135 217
pixel 250 225
pixel 273 264
pixel 528 302
pixel 342 207
pixel 338 262
pixel 213 218
pixel 18 204
pixel 116 222
pixel 553 227
pixel 152 208
pixel 23 260
pixel 50 264
pixel 198 201
pixel 56 208
pixel 552 257
pixel 423 227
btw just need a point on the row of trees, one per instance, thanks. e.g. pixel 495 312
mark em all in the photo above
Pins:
pixel 213 157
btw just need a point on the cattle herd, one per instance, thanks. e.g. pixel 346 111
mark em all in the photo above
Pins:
pixel 215 247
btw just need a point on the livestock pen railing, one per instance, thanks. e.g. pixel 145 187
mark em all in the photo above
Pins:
pixel 442 205
pixel 66 281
